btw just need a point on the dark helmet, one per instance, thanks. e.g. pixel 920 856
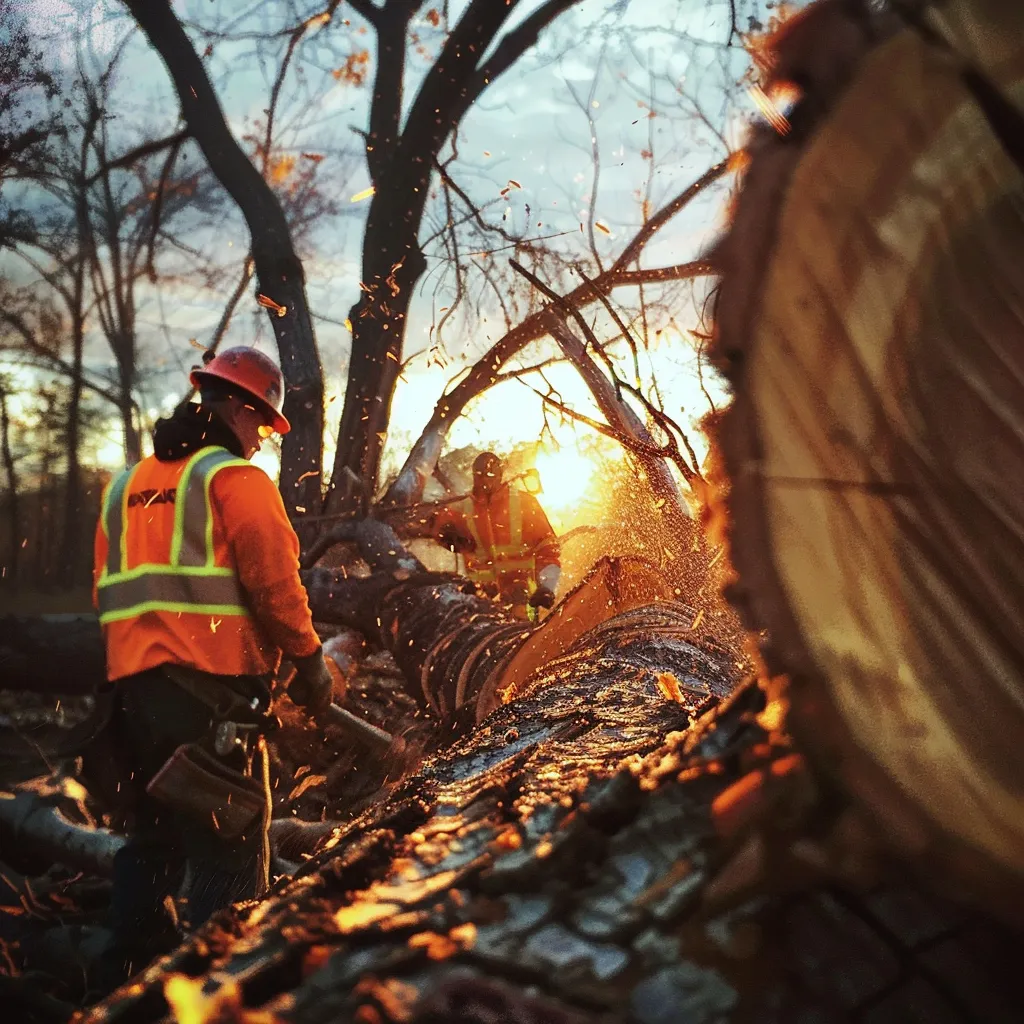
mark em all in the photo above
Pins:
pixel 487 464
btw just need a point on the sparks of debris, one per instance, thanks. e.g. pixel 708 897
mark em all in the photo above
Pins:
pixel 268 303
pixel 698 619
pixel 348 325
pixel 308 473
pixel 771 113
pixel 514 183
pixel 300 508
pixel 601 226
pixel 365 194
pixel 214 623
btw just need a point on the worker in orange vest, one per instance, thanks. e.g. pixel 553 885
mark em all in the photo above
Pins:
pixel 198 592
pixel 510 549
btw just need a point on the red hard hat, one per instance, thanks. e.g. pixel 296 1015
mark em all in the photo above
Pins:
pixel 252 372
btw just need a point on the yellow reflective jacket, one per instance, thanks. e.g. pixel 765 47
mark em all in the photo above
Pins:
pixel 509 533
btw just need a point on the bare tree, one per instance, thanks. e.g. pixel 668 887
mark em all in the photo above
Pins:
pixel 13 510
pixel 278 267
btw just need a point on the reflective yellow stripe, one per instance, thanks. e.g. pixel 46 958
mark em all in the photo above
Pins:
pixel 190 581
pixel 207 479
pixel 171 590
pixel 159 569
pixel 180 503
pixel 185 608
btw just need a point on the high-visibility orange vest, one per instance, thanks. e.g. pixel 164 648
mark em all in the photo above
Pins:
pixel 168 588
pixel 487 562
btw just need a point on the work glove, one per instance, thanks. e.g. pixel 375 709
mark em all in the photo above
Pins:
pixel 312 687
pixel 541 598
pixel 449 537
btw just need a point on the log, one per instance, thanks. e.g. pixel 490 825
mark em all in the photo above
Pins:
pixel 869 321
pixel 602 849
pixel 41 834
pixel 54 654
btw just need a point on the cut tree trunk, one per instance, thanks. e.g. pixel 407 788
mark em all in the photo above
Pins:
pixel 589 855
pixel 59 655
pixel 870 322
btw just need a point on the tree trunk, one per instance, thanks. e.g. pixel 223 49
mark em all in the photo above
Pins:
pixel 592 856
pixel 71 535
pixel 45 513
pixel 70 560
pixel 13 513
pixel 873 447
pixel 401 153
pixel 129 427
pixel 277 266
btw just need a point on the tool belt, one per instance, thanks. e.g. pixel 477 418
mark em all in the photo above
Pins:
pixel 195 781
pixel 199 785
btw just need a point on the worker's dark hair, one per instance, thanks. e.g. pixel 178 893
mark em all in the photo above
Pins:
pixel 215 390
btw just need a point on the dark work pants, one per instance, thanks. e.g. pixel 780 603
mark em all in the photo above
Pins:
pixel 173 873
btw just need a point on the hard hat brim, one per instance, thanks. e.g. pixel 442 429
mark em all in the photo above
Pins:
pixel 277 420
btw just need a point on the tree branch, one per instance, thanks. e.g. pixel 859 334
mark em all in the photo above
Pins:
pixel 146 149
pixel 277 264
pixel 513 46
pixel 158 204
pixel 34 345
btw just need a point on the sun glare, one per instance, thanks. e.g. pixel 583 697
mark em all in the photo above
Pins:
pixel 567 477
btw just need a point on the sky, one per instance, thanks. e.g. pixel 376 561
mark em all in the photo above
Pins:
pixel 527 128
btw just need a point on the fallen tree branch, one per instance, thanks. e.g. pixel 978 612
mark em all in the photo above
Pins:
pixel 408 485
pixel 625 423
pixel 39 831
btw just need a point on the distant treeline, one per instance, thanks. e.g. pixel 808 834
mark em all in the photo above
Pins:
pixel 45 545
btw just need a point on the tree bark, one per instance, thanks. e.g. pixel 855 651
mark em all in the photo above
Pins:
pixel 874 515
pixel 13 510
pixel 277 266
pixel 592 856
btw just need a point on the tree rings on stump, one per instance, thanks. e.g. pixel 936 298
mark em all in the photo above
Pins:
pixel 871 320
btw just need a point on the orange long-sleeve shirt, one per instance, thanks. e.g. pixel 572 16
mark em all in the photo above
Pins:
pixel 252 535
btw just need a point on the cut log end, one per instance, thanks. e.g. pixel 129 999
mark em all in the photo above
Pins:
pixel 875 512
